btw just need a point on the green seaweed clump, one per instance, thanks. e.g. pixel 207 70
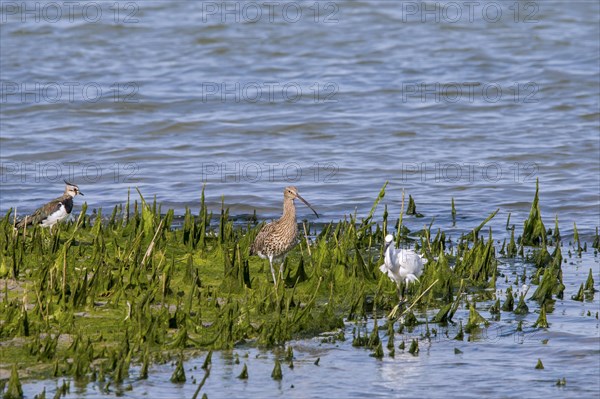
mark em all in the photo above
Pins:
pixel 579 297
pixel 475 319
pixel 276 374
pixel 589 283
pixel 542 321
pixel 414 348
pixel 244 374
pixel 534 231
pixel 178 375
pixel 522 306
pixel 509 304
pixel 378 354
pixel 539 365
pixel 460 335
pixel 14 391
pixel 412 208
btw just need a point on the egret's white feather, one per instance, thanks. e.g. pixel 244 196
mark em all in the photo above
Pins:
pixel 401 265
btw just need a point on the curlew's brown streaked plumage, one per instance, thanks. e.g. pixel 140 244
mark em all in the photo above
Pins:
pixel 277 238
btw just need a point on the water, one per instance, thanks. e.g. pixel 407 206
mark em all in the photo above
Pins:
pixel 497 361
pixel 167 96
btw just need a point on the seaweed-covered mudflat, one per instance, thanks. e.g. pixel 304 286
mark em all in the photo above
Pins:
pixel 109 299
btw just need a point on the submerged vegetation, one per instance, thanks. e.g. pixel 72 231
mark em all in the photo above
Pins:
pixel 89 298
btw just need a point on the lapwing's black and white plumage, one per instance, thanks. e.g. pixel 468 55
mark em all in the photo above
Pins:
pixel 54 211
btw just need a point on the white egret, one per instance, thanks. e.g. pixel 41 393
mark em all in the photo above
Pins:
pixel 401 265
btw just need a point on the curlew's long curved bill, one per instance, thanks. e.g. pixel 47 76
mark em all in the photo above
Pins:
pixel 307 204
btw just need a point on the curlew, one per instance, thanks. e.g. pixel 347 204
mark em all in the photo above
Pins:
pixel 277 238
pixel 54 211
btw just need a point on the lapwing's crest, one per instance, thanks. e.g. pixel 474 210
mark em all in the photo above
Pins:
pixel 54 211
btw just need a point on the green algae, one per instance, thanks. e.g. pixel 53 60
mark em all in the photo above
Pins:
pixel 539 365
pixel 556 233
pixel 378 353
pixel 589 283
pixel 411 209
pixel 576 239
pixel 522 307
pixel 475 320
pixel 542 321
pixel 277 374
pixel 14 390
pixel 133 289
pixel 206 375
pixel 534 232
pixel 244 374
pixel 511 249
pixel 454 213
pixel 579 297
pixel 509 303
pixel 178 376
pixel 414 347
pixel 42 395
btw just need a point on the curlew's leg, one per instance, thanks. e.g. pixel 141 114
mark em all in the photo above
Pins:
pixel 281 268
pixel 272 270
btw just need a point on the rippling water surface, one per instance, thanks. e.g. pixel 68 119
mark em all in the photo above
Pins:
pixel 167 96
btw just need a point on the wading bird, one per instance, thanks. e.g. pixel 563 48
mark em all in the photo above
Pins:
pixel 402 266
pixel 54 211
pixel 277 238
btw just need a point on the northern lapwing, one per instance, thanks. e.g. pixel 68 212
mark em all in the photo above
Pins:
pixel 54 211
pixel 277 238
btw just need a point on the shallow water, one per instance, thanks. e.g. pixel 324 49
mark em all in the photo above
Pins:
pixel 496 361
pixel 351 94
pixel 416 103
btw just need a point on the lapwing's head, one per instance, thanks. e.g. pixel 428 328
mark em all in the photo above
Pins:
pixel 72 189
pixel 291 192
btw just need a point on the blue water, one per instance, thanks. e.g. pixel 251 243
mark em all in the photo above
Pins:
pixel 438 99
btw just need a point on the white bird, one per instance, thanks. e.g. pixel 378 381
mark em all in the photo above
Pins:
pixel 401 265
